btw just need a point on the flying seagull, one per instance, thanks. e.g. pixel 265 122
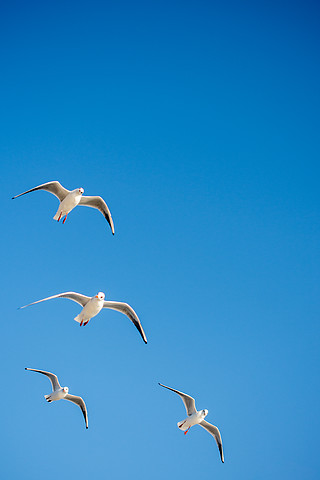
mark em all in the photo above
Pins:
pixel 62 393
pixel 197 418
pixel 70 199
pixel 93 305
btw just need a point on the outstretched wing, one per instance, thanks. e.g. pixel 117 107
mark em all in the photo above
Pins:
pixel 99 204
pixel 53 187
pixel 78 401
pixel 52 377
pixel 131 314
pixel 214 431
pixel 188 401
pixel 76 297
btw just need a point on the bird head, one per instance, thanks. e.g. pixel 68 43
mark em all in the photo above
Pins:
pixel 100 296
pixel 205 412
pixel 81 190
pixel 65 389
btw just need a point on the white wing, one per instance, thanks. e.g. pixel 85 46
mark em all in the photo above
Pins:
pixel 52 377
pixel 76 297
pixel 53 187
pixel 214 431
pixel 188 401
pixel 131 314
pixel 78 401
pixel 99 204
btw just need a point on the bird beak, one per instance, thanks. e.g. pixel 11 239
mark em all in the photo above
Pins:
pixel 97 296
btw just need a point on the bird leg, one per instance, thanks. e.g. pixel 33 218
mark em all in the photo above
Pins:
pixel 86 323
pixel 81 323
pixel 187 431
pixel 60 217
pixel 65 218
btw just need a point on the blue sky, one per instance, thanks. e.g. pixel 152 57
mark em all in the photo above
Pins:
pixel 198 123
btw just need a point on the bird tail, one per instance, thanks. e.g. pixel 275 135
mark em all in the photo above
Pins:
pixel 180 425
pixel 47 397
pixel 56 215
pixel 77 318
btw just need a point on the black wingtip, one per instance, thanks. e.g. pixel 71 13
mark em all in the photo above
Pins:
pixel 12 198
pixel 26 368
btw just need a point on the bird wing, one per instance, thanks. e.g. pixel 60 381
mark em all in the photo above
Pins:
pixel 100 204
pixel 188 401
pixel 52 377
pixel 78 401
pixel 53 187
pixel 131 314
pixel 214 431
pixel 76 297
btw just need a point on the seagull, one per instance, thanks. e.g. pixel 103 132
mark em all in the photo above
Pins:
pixel 70 199
pixel 197 418
pixel 62 393
pixel 93 305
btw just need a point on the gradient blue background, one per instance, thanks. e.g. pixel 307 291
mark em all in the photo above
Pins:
pixel 198 122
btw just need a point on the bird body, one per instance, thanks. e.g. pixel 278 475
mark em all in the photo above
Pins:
pixel 194 419
pixel 57 394
pixel 69 203
pixel 91 309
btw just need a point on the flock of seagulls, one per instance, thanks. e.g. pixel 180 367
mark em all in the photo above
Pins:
pixel 91 306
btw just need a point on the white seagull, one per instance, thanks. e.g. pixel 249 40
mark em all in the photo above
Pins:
pixel 93 305
pixel 197 418
pixel 70 199
pixel 62 393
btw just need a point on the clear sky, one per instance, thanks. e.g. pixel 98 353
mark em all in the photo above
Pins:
pixel 198 123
